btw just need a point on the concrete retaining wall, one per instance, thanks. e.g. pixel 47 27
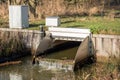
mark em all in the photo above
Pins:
pixel 106 45
pixel 31 38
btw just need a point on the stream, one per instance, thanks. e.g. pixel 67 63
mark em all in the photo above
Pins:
pixel 27 71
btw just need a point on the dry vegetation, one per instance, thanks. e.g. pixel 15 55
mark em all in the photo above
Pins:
pixel 98 71
pixel 81 11
pixel 42 8
pixel 106 70
pixel 3 10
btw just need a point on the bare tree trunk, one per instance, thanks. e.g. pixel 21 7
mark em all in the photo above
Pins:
pixel 102 8
pixel 109 3
pixel 118 2
pixel 9 2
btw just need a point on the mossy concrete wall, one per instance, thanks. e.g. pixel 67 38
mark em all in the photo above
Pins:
pixel 30 38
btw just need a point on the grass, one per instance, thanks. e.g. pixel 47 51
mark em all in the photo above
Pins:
pixel 98 25
pixel 3 23
pixel 34 25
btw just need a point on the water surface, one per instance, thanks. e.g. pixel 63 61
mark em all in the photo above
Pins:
pixel 27 71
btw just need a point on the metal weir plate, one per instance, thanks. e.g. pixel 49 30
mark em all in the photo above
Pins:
pixel 55 64
pixel 70 34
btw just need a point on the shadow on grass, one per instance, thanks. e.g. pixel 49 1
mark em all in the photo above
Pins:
pixel 68 22
pixel 4 25
pixel 35 24
pixel 76 26
pixel 70 25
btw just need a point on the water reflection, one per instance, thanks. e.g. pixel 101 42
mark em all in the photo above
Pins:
pixel 4 76
pixel 40 75
pixel 26 71
pixel 15 76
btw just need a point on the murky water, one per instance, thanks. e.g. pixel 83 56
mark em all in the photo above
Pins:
pixel 27 71
pixel 67 51
pixel 66 54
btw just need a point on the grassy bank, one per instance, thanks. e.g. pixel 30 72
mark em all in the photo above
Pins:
pixel 98 25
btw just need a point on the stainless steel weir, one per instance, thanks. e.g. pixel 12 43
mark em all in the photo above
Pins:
pixel 84 51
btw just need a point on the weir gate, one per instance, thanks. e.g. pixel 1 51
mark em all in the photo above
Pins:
pixel 58 36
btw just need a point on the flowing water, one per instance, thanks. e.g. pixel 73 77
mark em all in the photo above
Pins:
pixel 27 71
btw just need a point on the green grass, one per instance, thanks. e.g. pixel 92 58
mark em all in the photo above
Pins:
pixel 98 25
pixel 34 25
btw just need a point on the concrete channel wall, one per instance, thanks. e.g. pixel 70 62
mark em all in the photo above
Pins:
pixel 31 38
pixel 106 45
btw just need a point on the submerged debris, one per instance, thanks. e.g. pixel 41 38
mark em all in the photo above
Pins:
pixel 10 63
